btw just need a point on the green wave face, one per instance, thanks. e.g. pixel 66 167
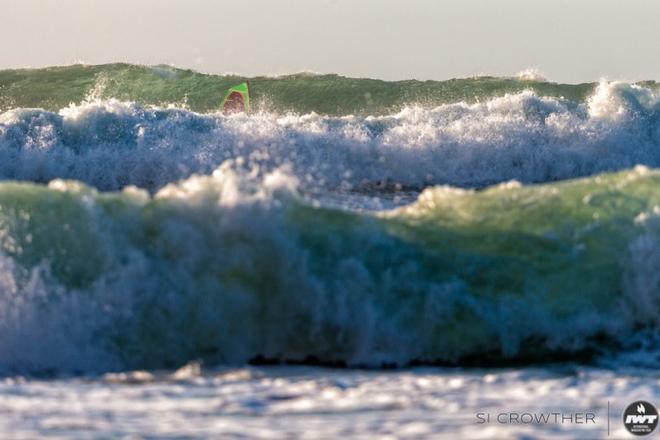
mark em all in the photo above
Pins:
pixel 56 87
pixel 229 267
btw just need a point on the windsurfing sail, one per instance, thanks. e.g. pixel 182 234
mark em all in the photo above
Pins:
pixel 237 99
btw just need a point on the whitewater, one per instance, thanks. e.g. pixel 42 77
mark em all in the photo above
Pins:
pixel 110 144
pixel 473 237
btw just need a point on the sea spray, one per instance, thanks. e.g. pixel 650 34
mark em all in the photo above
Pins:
pixel 530 138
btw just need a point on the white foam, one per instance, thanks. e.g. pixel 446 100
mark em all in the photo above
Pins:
pixel 531 74
pixel 237 265
pixel 524 137
pixel 295 402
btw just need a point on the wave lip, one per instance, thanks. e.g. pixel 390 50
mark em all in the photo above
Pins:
pixel 232 267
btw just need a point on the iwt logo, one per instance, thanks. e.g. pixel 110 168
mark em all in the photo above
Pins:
pixel 640 418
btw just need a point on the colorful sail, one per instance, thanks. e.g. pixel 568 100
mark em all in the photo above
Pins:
pixel 237 99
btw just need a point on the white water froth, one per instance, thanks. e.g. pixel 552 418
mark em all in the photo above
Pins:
pixel 231 266
pixel 314 403
pixel 111 144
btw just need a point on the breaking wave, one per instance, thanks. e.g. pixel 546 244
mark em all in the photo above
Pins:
pixel 530 138
pixel 231 267
pixel 141 228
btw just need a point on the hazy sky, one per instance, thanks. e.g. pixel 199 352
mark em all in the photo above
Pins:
pixel 567 40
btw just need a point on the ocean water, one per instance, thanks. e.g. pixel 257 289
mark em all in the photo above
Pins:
pixel 317 403
pixel 449 248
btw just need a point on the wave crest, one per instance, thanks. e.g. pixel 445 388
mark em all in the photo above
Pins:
pixel 233 266
pixel 526 137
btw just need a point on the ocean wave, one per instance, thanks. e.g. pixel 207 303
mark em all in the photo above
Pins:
pixel 56 87
pixel 110 144
pixel 231 267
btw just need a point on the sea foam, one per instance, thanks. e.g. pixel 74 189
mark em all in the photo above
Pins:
pixel 526 137
pixel 233 267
